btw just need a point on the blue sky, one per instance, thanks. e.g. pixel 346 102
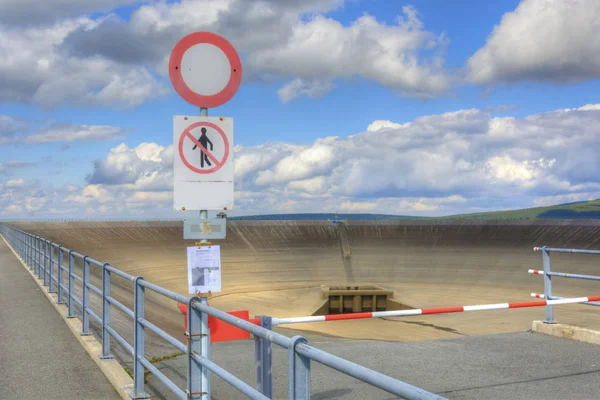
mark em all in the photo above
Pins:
pixel 503 70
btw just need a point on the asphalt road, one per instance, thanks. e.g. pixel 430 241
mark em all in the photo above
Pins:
pixel 39 357
pixel 519 365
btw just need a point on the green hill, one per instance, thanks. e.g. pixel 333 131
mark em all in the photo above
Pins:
pixel 577 210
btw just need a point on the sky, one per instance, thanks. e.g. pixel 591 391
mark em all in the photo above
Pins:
pixel 425 108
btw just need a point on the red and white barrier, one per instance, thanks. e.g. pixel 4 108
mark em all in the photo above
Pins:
pixel 538 295
pixel 535 272
pixel 427 311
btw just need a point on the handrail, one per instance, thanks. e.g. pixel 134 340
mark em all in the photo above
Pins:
pixel 547 273
pixel 559 250
pixel 37 252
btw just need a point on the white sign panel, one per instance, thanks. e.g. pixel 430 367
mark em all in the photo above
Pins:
pixel 204 269
pixel 203 163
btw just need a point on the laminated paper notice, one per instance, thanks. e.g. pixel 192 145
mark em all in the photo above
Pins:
pixel 204 269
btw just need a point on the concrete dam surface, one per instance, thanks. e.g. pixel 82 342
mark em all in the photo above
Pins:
pixel 277 268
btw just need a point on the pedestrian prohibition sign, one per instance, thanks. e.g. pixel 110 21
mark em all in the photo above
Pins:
pixel 203 143
pixel 203 163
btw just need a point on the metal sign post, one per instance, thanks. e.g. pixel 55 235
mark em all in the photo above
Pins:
pixel 206 71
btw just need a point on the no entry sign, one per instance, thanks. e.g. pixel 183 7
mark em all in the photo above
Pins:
pixel 202 144
pixel 203 163
pixel 205 69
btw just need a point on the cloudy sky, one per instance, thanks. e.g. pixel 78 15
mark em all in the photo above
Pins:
pixel 429 107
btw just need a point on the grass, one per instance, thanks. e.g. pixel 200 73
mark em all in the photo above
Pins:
pixel 584 209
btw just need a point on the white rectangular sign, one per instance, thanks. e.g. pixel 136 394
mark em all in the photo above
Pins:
pixel 202 163
pixel 204 269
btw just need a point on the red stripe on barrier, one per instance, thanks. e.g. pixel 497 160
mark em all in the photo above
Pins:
pixel 337 317
pixel 442 310
pixel 527 304
pixel 594 298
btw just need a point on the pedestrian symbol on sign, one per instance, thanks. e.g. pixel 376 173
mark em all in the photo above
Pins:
pixel 211 145
pixel 204 141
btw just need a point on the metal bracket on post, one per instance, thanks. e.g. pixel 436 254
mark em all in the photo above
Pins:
pixel 547 286
pixel 52 288
pixel 138 341
pixel 60 276
pixel 85 315
pixel 70 300
pixel 263 360
pixel 106 354
pixel 298 372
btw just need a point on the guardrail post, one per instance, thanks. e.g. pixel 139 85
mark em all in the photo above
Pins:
pixel 71 300
pixel 547 286
pixel 195 390
pixel 85 316
pixel 38 256
pixel 105 313
pixel 263 360
pixel 45 262
pixel 298 372
pixel 138 340
pixel 25 249
pixel 28 254
pixel 51 273
pixel 60 276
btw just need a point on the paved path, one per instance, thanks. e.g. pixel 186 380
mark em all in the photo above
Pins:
pixel 39 357
pixel 522 365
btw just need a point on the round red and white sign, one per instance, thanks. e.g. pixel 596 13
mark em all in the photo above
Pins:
pixel 205 69
pixel 204 147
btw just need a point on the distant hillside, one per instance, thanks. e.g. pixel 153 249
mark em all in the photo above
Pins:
pixel 576 210
pixel 318 216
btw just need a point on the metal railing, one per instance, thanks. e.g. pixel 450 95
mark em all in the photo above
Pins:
pixel 548 274
pixel 38 254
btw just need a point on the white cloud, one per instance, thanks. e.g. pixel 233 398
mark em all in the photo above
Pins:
pixel 14 130
pixel 147 166
pixel 504 168
pixel 323 49
pixel 278 40
pixel 353 206
pixel 301 164
pixel 7 167
pixel 13 209
pixel 542 40
pixel 301 87
pixel 9 126
pixel 35 69
pixel 382 124
pixel 434 165
pixel 28 12
pixel 312 185
pixel 19 183
pixel 72 133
